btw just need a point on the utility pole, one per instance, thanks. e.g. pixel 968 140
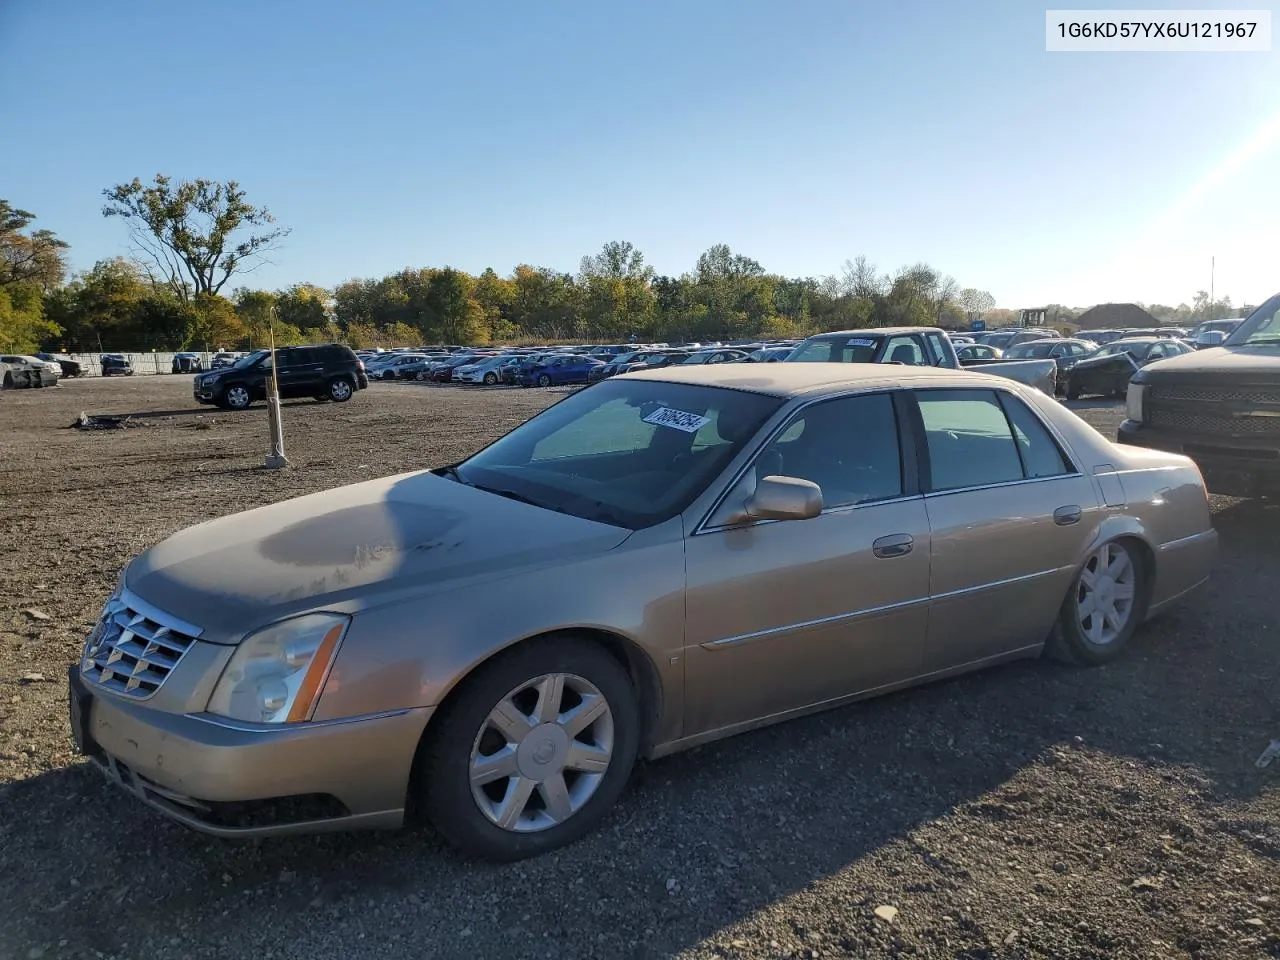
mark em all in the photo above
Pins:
pixel 1212 302
pixel 276 458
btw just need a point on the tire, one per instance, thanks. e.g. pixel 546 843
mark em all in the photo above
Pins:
pixel 8 381
pixel 420 377
pixel 544 381
pixel 1087 638
pixel 1073 393
pixel 388 375
pixel 490 379
pixel 237 397
pixel 462 736
pixel 340 390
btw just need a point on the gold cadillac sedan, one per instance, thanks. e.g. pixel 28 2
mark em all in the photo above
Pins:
pixel 656 561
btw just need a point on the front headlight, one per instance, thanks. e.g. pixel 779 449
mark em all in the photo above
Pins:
pixel 276 674
pixel 1134 401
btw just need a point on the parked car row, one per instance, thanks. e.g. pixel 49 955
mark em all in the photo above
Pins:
pixel 556 365
pixel 22 370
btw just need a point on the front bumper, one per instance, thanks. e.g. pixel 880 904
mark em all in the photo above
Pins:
pixel 246 780
pixel 1231 466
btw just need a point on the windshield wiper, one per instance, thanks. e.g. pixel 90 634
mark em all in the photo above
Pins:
pixel 451 472
pixel 510 495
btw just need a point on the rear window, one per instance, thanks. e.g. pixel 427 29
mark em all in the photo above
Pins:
pixel 851 349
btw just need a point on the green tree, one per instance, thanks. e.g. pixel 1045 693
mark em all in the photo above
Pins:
pixel 28 256
pixel 100 307
pixel 197 234
pixel 23 325
pixel 305 306
pixel 446 309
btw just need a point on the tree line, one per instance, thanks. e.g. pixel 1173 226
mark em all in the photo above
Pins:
pixel 194 242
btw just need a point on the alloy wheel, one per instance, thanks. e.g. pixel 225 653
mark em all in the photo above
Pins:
pixel 238 397
pixel 1105 593
pixel 541 753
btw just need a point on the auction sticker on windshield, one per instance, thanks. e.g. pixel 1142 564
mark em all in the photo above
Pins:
pixel 860 342
pixel 677 420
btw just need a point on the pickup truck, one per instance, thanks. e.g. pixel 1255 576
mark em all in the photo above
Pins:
pixel 917 346
pixel 1220 406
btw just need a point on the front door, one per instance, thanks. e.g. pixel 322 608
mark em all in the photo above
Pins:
pixel 1010 517
pixel 781 615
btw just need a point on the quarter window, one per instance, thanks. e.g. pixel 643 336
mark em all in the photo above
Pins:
pixel 972 441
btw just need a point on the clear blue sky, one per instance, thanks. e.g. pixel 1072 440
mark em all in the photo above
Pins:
pixel 415 133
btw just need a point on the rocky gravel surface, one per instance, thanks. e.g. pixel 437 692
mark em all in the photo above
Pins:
pixel 1029 811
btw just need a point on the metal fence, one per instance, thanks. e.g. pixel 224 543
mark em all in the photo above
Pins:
pixel 143 363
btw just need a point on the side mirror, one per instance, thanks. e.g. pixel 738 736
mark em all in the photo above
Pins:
pixel 784 498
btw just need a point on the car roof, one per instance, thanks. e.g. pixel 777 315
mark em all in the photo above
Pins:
pixel 803 379
pixel 872 332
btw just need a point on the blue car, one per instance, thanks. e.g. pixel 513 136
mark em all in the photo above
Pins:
pixel 558 370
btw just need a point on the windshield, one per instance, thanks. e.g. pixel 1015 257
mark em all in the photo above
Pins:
pixel 701 357
pixel 630 454
pixel 1261 329
pixel 251 359
pixel 852 349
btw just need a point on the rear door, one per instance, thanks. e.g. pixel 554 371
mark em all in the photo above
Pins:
pixel 292 369
pixel 1009 515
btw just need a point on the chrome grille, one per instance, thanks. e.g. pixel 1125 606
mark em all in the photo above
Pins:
pixel 1208 423
pixel 131 651
pixel 1216 394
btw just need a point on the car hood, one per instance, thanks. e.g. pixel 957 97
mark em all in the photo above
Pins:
pixel 349 549
pixel 1251 363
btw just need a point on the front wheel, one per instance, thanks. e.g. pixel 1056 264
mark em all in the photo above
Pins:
pixel 238 397
pixel 340 390
pixel 544 381
pixel 1104 607
pixel 490 379
pixel 535 748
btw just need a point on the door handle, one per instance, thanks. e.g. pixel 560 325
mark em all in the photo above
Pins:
pixel 894 545
pixel 1065 516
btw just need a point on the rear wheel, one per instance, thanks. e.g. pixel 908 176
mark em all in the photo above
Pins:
pixel 532 751
pixel 1104 607
pixel 340 390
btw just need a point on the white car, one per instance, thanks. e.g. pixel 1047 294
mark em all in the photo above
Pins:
pixel 389 369
pixel 486 371
pixel 27 371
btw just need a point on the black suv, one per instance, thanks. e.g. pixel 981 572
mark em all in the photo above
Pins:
pixel 329 371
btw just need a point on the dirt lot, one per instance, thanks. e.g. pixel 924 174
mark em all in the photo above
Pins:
pixel 1031 811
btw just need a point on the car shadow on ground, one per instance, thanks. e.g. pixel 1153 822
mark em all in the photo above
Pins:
pixel 208 411
pixel 712 836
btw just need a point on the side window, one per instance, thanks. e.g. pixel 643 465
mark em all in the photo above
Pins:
pixel 1041 455
pixel 939 349
pixel 848 447
pixel 969 440
pixel 904 350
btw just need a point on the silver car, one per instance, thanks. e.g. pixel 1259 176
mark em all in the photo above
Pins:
pixel 655 562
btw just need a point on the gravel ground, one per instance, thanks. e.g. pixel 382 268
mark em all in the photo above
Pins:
pixel 1029 811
